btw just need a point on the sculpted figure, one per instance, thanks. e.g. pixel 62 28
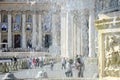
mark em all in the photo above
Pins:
pixel 112 47
pixel 112 42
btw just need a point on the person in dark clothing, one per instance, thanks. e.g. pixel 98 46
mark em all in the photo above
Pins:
pixel 80 66
pixel 14 59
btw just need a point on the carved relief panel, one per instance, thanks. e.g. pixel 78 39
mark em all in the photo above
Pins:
pixel 112 54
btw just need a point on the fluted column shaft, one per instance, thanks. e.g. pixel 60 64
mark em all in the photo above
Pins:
pixel 9 31
pixel 23 31
pixel 91 31
pixel 54 30
pixel 34 31
pixel 64 34
pixel 40 31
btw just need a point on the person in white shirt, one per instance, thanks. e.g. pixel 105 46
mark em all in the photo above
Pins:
pixel 69 72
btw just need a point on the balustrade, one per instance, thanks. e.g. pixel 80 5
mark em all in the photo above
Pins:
pixel 11 66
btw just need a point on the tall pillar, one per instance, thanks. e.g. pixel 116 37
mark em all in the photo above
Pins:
pixel 9 31
pixel 74 37
pixel 54 48
pixel 64 34
pixel 68 35
pixel 40 31
pixel 71 37
pixel 78 34
pixel 0 30
pixel 54 29
pixel 91 33
pixel 23 30
pixel 34 31
pixel 84 34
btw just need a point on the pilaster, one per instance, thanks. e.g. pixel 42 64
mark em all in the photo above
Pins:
pixel 9 30
pixel 34 31
pixel 23 30
pixel 40 31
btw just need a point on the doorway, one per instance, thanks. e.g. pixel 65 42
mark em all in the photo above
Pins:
pixel 47 41
pixel 17 41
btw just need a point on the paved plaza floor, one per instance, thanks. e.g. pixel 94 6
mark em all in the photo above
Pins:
pixel 90 71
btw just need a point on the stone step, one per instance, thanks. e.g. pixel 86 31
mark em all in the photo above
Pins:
pixel 64 79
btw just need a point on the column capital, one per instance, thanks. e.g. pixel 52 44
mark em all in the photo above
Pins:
pixel 24 12
pixel 9 12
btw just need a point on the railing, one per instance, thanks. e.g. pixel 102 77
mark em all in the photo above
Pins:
pixel 11 66
pixel 8 66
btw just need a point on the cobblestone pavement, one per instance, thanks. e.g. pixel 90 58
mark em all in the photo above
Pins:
pixel 90 70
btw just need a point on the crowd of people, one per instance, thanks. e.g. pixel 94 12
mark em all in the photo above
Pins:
pixel 66 64
pixel 35 62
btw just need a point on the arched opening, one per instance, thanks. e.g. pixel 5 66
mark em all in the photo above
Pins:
pixel 47 41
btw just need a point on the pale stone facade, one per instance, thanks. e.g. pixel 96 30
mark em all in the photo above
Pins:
pixel 65 28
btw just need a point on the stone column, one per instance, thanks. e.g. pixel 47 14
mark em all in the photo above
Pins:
pixel 0 30
pixel 84 33
pixel 9 31
pixel 74 37
pixel 78 34
pixel 54 29
pixel 64 34
pixel 23 31
pixel 40 31
pixel 71 36
pixel 91 33
pixel 34 31
pixel 54 48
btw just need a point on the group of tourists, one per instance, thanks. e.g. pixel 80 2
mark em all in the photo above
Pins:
pixel 77 63
pixel 66 64
pixel 35 62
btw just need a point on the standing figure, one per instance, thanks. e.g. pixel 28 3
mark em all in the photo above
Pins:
pixel 33 62
pixel 63 61
pixel 41 61
pixel 69 72
pixel 14 59
pixel 80 66
pixel 51 64
pixel 37 62
pixel 29 63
